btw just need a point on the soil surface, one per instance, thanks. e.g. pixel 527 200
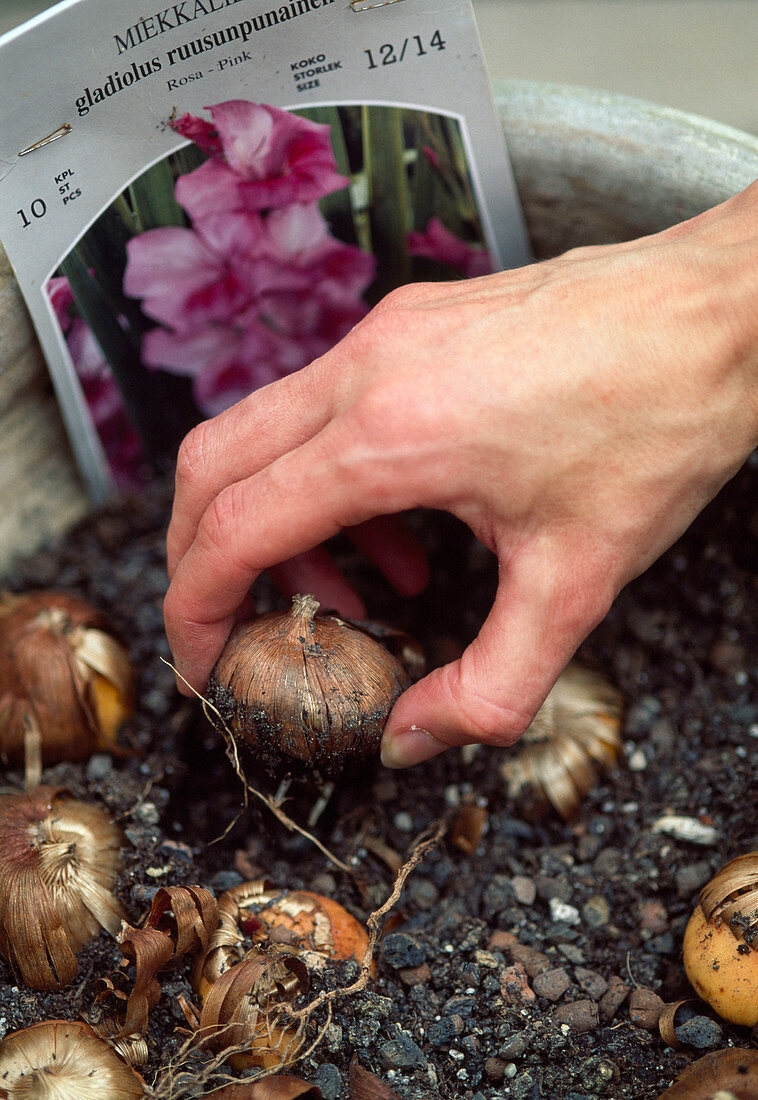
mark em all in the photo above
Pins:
pixel 528 968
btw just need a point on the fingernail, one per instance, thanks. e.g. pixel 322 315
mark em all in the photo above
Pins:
pixel 409 747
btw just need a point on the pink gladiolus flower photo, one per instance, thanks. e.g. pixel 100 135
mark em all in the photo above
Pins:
pixel 257 287
pixel 226 362
pixel 438 243
pixel 297 242
pixel 119 439
pixel 188 277
pixel 261 157
pixel 248 267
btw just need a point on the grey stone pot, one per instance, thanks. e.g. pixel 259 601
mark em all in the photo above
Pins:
pixel 591 168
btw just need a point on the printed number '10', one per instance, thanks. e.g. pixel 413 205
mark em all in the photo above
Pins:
pixel 38 209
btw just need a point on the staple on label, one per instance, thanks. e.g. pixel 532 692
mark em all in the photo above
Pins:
pixel 367 5
pixel 59 133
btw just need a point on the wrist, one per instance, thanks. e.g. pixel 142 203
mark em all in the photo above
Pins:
pixel 722 248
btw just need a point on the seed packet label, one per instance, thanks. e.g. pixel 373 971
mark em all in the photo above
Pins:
pixel 200 197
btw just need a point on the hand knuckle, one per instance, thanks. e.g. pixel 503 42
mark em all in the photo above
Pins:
pixel 374 415
pixel 192 459
pixel 170 607
pixel 373 439
pixel 356 468
pixel 483 719
pixel 367 343
pixel 221 520
pixel 493 723
pixel 408 296
pixel 394 299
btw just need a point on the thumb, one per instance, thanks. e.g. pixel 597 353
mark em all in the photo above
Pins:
pixel 491 694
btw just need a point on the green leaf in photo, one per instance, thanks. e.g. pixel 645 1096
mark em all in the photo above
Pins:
pixel 152 199
pixel 388 195
pixel 337 208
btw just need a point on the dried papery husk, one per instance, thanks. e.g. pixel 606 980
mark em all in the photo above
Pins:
pixel 59 861
pixel 721 942
pixel 109 1006
pixel 242 1010
pixel 306 690
pixel 226 945
pixel 180 923
pixel 282 1087
pixel 133 1048
pixel 187 915
pixel 667 1021
pixel 65 677
pixel 314 927
pixel 732 896
pixel 64 1060
pixel 367 1086
pixel 391 858
pixel 149 952
pixel 575 736
pixel 468 827
pixel 729 1074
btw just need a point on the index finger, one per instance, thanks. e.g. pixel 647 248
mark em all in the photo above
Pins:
pixel 238 443
pixel 291 505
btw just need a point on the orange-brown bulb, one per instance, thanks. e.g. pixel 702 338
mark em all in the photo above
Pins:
pixel 64 677
pixel 721 942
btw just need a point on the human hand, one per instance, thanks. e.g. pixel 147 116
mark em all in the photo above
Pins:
pixel 576 414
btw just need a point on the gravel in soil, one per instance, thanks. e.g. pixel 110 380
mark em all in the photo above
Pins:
pixel 534 966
